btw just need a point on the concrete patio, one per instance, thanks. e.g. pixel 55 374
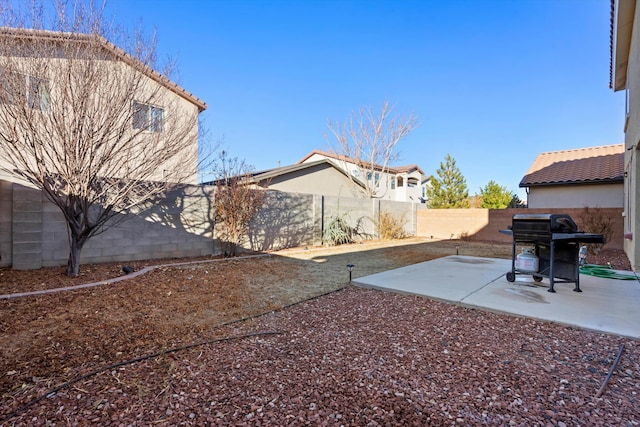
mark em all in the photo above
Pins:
pixel 605 305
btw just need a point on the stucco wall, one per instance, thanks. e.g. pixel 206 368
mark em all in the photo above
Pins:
pixel 577 196
pixel 485 224
pixel 320 179
pixel 632 136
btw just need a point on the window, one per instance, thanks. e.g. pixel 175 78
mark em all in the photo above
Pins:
pixel 38 94
pixel 400 181
pixel 16 89
pixel 393 183
pixel 412 182
pixel 147 117
pixel 375 176
pixel 12 89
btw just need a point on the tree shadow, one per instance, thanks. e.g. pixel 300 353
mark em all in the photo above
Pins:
pixel 284 221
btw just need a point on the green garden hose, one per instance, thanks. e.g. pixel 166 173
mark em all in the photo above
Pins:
pixel 606 272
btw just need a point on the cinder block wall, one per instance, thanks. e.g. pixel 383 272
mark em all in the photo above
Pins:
pixel 26 228
pixel 34 233
pixel 6 221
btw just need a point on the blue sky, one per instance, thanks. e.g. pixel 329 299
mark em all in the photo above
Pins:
pixel 493 83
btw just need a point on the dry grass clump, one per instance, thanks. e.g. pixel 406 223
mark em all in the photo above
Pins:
pixel 391 226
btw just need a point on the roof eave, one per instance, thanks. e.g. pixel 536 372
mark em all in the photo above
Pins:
pixel 617 180
pixel 621 33
pixel 110 47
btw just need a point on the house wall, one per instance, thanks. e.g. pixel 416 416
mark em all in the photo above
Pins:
pixel 632 138
pixel 385 190
pixel 122 85
pixel 577 196
pixel 408 192
pixel 321 179
pixel 485 224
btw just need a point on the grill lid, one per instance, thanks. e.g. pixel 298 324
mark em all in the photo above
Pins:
pixel 544 223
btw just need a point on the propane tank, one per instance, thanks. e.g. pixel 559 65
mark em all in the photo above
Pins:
pixel 527 261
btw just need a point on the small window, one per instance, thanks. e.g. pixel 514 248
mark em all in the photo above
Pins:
pixel 393 183
pixel 38 94
pixel 147 117
pixel 400 182
pixel 377 177
pixel 412 182
pixel 12 88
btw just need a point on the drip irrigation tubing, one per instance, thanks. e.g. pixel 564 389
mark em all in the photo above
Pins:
pixel 75 380
pixel 613 368
pixel 5 417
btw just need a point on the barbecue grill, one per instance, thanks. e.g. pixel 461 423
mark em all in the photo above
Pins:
pixel 556 241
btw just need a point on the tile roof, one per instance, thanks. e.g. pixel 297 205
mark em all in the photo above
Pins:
pixel 593 165
pixel 391 169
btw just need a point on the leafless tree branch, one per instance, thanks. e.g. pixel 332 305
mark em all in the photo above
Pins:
pixel 367 141
pixel 91 125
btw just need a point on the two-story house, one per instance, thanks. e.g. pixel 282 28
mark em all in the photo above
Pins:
pixel 399 183
pixel 77 98
pixel 86 127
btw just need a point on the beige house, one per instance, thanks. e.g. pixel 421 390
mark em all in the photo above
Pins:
pixel 398 183
pixel 61 82
pixel 625 75
pixel 320 177
pixel 576 178
pixel 91 111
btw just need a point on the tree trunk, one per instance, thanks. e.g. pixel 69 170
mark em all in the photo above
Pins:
pixel 75 248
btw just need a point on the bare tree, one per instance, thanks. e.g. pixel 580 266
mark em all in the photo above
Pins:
pixel 237 202
pixel 365 144
pixel 92 125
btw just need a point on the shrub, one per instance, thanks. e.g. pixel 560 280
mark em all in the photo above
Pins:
pixel 596 220
pixel 465 236
pixel 337 231
pixel 390 226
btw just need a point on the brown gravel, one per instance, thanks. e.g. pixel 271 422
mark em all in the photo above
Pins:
pixel 352 357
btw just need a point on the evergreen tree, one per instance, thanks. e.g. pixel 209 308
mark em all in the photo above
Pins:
pixel 449 189
pixel 516 202
pixel 495 196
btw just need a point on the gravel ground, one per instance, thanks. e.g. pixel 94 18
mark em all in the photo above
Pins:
pixel 364 357
pixel 353 357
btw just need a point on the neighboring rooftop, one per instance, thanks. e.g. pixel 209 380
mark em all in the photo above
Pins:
pixel 390 169
pixel 266 175
pixel 593 165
